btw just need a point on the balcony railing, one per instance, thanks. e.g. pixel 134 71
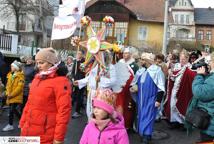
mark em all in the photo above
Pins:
pixel 183 38
pixel 8 42
pixel 9 46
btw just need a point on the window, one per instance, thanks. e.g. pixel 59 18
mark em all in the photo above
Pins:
pixel 39 24
pixel 95 25
pixel 182 34
pixel 109 30
pixel 120 32
pixel 176 18
pixel 142 33
pixel 187 19
pixel 22 18
pixel 209 35
pixel 200 35
pixel 22 21
pixel 182 19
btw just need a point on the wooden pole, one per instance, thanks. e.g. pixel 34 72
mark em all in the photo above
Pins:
pixel 98 71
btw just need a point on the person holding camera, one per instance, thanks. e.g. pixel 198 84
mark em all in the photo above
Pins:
pixel 203 98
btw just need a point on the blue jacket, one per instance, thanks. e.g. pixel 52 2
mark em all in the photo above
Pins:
pixel 203 91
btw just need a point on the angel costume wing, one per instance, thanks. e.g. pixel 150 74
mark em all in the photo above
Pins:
pixel 123 74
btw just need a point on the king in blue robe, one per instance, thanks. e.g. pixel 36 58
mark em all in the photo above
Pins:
pixel 151 88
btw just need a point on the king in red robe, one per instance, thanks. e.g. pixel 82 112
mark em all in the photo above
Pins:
pixel 179 93
pixel 124 103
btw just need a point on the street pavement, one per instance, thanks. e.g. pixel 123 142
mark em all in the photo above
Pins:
pixel 76 127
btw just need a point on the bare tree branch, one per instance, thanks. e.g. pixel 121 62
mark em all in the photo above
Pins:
pixel 41 9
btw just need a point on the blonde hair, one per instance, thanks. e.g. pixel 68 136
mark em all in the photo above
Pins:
pixel 185 53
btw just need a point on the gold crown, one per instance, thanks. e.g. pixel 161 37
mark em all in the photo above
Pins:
pixel 106 95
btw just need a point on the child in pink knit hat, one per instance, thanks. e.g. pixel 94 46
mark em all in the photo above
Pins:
pixel 106 125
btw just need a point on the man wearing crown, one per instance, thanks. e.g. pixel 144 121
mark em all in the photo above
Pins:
pixel 179 91
pixel 149 86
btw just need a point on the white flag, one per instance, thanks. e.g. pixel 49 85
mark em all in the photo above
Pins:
pixel 72 7
pixel 63 27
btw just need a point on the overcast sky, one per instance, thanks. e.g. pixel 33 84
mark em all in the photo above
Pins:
pixel 203 3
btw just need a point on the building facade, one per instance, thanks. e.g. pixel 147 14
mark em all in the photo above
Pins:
pixel 135 25
pixel 30 31
pixel 121 14
pixel 182 23
pixel 204 20
pixel 146 30
pixel 187 23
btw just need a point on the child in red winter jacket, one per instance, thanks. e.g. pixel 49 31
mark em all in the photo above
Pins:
pixel 106 125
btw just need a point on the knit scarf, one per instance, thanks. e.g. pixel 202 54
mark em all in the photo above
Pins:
pixel 50 71
pixel 13 75
pixel 101 124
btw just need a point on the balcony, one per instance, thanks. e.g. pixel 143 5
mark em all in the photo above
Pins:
pixel 183 38
pixel 9 46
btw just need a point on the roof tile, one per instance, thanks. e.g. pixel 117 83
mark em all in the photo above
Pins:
pixel 147 10
pixel 204 16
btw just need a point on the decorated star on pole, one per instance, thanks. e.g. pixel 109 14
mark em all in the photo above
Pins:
pixel 95 44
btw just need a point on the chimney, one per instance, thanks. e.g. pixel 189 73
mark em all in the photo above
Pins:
pixel 121 1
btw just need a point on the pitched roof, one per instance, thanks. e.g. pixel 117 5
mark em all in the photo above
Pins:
pixel 173 2
pixel 204 16
pixel 92 2
pixel 147 10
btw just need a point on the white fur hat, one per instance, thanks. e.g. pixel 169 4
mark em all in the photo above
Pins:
pixel 17 65
pixel 127 50
pixel 148 56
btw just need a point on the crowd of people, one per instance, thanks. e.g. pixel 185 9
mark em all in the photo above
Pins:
pixel 154 87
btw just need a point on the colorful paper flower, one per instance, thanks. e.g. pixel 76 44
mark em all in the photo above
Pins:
pixel 116 48
pixel 108 20
pixel 75 41
pixel 85 21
